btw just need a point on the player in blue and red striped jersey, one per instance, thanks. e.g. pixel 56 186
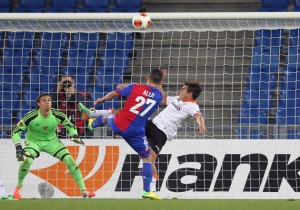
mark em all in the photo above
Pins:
pixel 142 101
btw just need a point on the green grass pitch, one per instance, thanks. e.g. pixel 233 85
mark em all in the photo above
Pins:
pixel 139 204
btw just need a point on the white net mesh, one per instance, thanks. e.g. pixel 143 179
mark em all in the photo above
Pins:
pixel 250 78
pixel 244 66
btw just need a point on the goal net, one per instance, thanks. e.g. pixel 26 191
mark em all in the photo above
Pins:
pixel 247 64
pixel 243 65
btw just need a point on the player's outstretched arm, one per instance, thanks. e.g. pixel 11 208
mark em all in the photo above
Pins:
pixel 201 123
pixel 164 100
pixel 109 96
pixel 21 154
pixel 119 86
pixel 17 131
pixel 16 137
pixel 72 130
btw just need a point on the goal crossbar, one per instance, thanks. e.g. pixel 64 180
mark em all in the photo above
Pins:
pixel 154 16
pixel 121 22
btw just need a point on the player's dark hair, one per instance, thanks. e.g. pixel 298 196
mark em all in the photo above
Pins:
pixel 156 76
pixel 193 87
pixel 60 76
pixel 40 96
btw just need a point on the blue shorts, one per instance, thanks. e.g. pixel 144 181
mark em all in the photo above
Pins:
pixel 136 139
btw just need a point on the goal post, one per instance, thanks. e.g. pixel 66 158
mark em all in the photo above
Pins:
pixel 247 64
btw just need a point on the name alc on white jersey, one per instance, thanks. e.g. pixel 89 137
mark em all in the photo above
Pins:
pixel 174 115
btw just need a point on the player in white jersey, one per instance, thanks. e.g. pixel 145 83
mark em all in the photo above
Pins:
pixel 164 126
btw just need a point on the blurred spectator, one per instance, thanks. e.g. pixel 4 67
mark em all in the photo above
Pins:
pixel 66 98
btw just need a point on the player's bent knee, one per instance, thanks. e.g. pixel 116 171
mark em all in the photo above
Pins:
pixel 147 159
pixel 153 154
pixel 146 156
pixel 70 162
pixel 104 119
pixel 27 162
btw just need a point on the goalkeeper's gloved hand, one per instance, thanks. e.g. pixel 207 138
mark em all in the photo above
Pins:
pixel 77 139
pixel 20 152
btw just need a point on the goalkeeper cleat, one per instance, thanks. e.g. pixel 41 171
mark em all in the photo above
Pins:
pixel 91 120
pixel 17 193
pixel 150 195
pixel 85 112
pixel 87 194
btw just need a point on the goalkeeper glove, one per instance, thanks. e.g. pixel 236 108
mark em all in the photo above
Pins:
pixel 77 139
pixel 20 153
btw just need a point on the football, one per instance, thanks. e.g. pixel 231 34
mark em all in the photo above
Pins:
pixel 141 21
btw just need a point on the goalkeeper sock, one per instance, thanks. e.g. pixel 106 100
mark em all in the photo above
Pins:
pixel 147 175
pixel 74 171
pixel 23 170
pixel 99 113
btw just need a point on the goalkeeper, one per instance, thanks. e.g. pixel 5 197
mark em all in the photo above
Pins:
pixel 41 136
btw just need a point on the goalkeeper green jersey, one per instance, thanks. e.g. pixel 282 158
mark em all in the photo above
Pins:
pixel 42 128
